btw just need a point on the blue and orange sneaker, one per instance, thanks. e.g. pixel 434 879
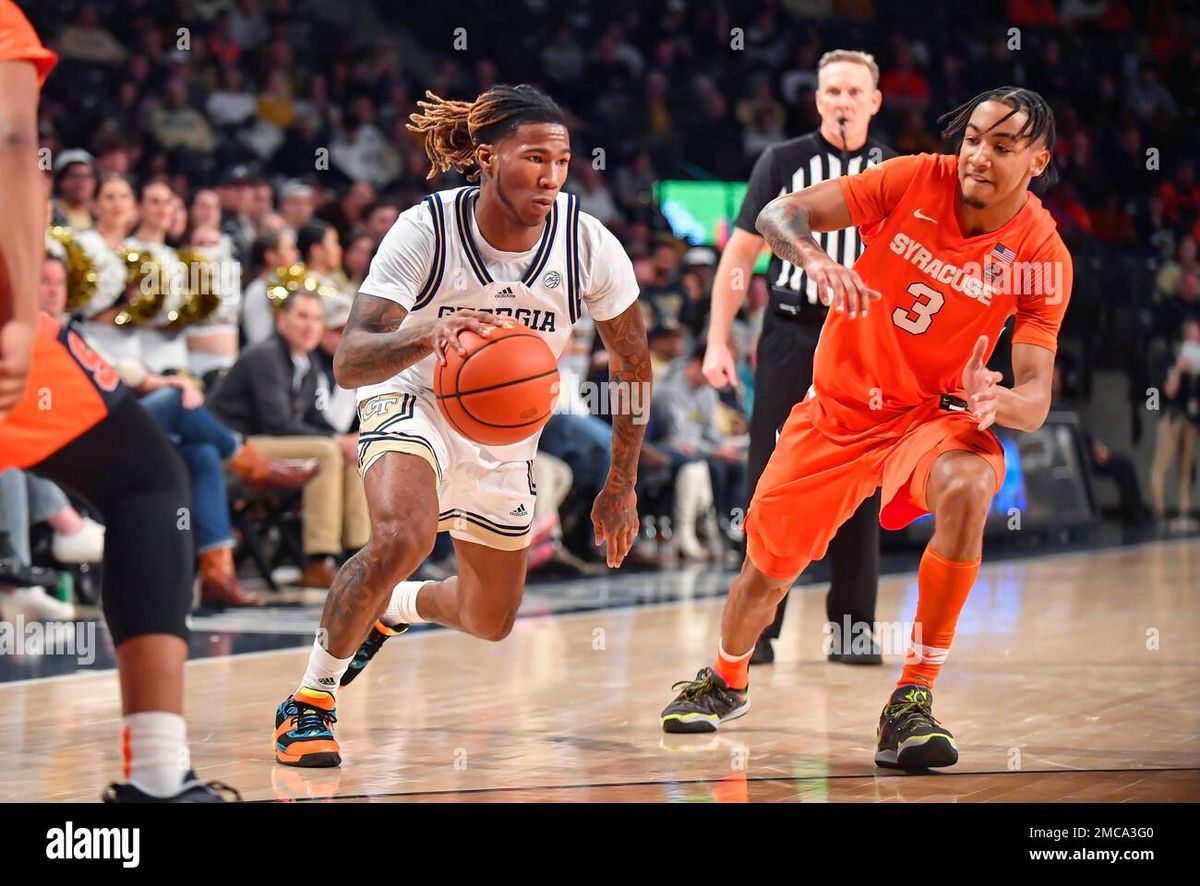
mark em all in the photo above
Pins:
pixel 303 736
pixel 379 633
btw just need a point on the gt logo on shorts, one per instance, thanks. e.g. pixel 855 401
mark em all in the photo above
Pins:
pixel 379 406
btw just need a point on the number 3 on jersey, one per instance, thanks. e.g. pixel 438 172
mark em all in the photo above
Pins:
pixel 917 318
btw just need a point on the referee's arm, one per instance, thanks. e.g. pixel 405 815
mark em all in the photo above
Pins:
pixel 728 292
pixel 734 271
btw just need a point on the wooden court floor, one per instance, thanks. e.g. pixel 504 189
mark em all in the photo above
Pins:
pixel 1072 678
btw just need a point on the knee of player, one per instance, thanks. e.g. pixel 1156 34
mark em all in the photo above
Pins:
pixel 493 627
pixel 757 588
pixel 967 488
pixel 399 545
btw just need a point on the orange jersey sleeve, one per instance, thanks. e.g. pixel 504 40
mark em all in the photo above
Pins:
pixel 19 42
pixel 1040 310
pixel 871 195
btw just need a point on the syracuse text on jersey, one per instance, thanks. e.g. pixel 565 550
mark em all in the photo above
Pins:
pixel 999 275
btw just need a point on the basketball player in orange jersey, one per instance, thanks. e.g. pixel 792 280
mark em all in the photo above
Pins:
pixel 901 395
pixel 66 416
pixel 515 249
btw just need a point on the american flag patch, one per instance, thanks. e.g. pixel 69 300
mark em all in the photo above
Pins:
pixel 1003 253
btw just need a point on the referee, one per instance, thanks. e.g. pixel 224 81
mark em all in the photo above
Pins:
pixel 847 98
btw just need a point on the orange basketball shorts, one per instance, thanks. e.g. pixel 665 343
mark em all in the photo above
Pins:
pixel 816 480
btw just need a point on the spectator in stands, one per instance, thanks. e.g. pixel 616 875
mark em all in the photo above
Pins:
pixel 297 202
pixel 1170 276
pixel 74 189
pixel 594 196
pixel 1181 196
pixel 337 404
pixel 177 125
pixel 348 212
pixel 356 260
pixel 321 251
pixel 380 216
pixel 666 346
pixel 270 396
pixel 87 41
pixel 260 205
pixel 904 86
pixel 690 412
pixel 26 500
pixel 270 252
pixel 1179 425
pixel 231 106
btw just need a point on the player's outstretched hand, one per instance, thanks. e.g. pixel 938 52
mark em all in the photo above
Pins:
pixel 982 386
pixel 615 520
pixel 444 332
pixel 840 288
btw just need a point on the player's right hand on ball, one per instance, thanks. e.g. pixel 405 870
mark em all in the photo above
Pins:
pixel 445 331
pixel 840 287
pixel 719 369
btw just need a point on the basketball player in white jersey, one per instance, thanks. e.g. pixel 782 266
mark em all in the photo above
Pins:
pixel 512 249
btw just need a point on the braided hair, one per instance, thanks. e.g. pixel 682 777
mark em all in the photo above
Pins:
pixel 1038 125
pixel 454 129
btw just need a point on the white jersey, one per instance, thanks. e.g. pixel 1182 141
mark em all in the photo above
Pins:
pixel 434 261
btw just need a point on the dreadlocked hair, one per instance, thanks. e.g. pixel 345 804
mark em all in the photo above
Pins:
pixel 452 130
pixel 1038 125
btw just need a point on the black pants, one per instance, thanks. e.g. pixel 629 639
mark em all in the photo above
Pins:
pixel 126 469
pixel 782 379
pixel 1121 470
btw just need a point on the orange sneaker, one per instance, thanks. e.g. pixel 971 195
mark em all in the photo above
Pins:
pixel 303 736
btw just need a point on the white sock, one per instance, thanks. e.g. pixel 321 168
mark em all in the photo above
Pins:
pixel 324 671
pixel 402 607
pixel 732 658
pixel 156 753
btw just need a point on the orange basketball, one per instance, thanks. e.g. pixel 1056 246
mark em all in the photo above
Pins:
pixel 502 390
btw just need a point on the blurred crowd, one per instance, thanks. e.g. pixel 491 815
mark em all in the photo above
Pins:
pixel 263 141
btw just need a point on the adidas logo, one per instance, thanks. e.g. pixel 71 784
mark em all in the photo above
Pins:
pixel 519 511
pixel 327 681
pixel 506 292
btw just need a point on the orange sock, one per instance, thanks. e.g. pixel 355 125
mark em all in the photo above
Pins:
pixel 942 589
pixel 734 669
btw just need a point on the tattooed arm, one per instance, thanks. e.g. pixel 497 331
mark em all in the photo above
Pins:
pixel 378 343
pixel 788 223
pixel 614 515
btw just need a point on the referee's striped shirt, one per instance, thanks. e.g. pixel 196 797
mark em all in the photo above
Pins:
pixel 792 166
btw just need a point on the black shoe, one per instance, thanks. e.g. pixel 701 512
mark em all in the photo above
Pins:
pixel 909 737
pixel 192 791
pixel 379 634
pixel 763 652
pixel 704 704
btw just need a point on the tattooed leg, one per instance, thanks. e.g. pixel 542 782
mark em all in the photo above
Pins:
pixel 402 502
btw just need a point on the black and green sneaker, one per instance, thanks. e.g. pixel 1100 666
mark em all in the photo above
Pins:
pixel 909 737
pixel 379 633
pixel 704 704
